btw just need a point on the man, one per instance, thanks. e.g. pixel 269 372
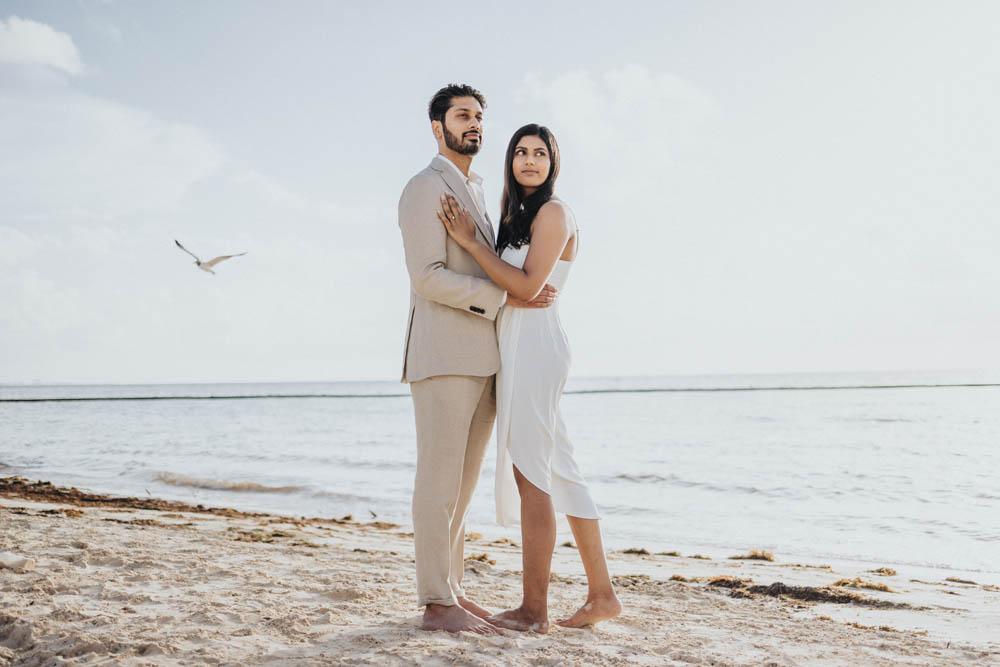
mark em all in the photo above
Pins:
pixel 450 358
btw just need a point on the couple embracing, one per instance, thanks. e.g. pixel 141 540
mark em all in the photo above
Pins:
pixel 484 343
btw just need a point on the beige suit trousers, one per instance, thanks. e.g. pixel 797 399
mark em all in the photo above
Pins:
pixel 454 416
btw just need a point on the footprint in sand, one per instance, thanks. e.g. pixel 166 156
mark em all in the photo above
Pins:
pixel 108 561
pixel 151 649
pixel 16 562
pixel 80 646
pixel 16 633
pixel 203 618
pixel 344 595
pixel 329 617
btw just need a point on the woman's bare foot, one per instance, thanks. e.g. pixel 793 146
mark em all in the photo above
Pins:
pixel 473 608
pixel 595 610
pixel 455 619
pixel 521 620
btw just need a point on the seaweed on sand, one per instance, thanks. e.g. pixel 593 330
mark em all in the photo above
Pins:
pixel 815 594
pixel 754 554
pixel 482 558
pixel 861 583
pixel 730 582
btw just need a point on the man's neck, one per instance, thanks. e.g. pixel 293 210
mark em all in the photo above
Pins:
pixel 463 162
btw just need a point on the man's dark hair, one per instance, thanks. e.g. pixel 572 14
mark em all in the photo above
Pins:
pixel 441 101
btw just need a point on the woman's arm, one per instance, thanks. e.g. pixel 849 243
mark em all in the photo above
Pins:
pixel 425 250
pixel 550 231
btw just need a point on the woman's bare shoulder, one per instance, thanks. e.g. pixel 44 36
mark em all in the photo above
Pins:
pixel 555 211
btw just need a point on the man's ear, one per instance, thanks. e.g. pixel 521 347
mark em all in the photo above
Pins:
pixel 437 127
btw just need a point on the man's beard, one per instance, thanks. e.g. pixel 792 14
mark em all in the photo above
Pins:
pixel 455 144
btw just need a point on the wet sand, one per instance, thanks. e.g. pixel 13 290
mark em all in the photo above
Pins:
pixel 92 579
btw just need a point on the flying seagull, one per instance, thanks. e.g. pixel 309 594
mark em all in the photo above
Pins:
pixel 206 266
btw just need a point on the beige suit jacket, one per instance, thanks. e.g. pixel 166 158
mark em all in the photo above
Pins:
pixel 453 305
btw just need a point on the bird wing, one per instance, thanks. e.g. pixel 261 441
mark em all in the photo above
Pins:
pixel 185 249
pixel 213 262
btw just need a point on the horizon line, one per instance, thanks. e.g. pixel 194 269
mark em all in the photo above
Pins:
pixel 650 390
pixel 34 383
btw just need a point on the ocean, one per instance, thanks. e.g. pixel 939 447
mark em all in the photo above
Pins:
pixel 883 468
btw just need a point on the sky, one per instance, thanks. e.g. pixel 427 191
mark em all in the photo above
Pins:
pixel 765 187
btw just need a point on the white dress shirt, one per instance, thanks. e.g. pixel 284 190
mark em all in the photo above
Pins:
pixel 474 183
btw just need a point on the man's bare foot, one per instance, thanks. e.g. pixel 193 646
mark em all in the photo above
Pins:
pixel 455 619
pixel 520 620
pixel 473 608
pixel 595 610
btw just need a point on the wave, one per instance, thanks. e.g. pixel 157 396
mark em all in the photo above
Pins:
pixel 650 477
pixel 653 478
pixel 174 479
pixel 674 480
pixel 347 462
pixel 223 484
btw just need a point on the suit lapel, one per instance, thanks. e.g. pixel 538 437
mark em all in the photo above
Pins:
pixel 461 192
pixel 489 227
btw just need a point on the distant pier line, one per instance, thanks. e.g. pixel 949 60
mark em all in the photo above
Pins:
pixel 649 390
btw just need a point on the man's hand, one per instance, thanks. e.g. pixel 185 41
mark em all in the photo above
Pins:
pixel 544 299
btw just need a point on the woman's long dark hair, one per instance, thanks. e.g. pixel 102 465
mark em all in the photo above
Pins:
pixel 517 211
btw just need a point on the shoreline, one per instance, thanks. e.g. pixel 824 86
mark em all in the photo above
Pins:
pixel 149 582
pixel 49 491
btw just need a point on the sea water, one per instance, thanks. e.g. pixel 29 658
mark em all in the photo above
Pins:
pixel 899 468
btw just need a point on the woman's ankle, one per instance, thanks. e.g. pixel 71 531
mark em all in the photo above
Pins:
pixel 601 595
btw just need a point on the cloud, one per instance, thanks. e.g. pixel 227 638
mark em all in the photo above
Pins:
pixel 23 41
pixel 95 192
pixel 699 221
pixel 72 156
pixel 636 146
pixel 15 246
pixel 91 303
pixel 627 117
pixel 107 29
pixel 639 147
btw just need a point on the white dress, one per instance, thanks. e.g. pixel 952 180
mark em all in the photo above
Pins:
pixel 534 364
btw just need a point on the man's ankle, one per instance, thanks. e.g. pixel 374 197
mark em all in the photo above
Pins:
pixel 534 612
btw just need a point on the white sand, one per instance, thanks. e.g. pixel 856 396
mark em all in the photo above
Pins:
pixel 104 590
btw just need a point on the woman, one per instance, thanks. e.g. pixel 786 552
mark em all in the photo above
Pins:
pixel 536 473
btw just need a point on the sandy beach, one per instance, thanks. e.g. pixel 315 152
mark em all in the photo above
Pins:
pixel 89 579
